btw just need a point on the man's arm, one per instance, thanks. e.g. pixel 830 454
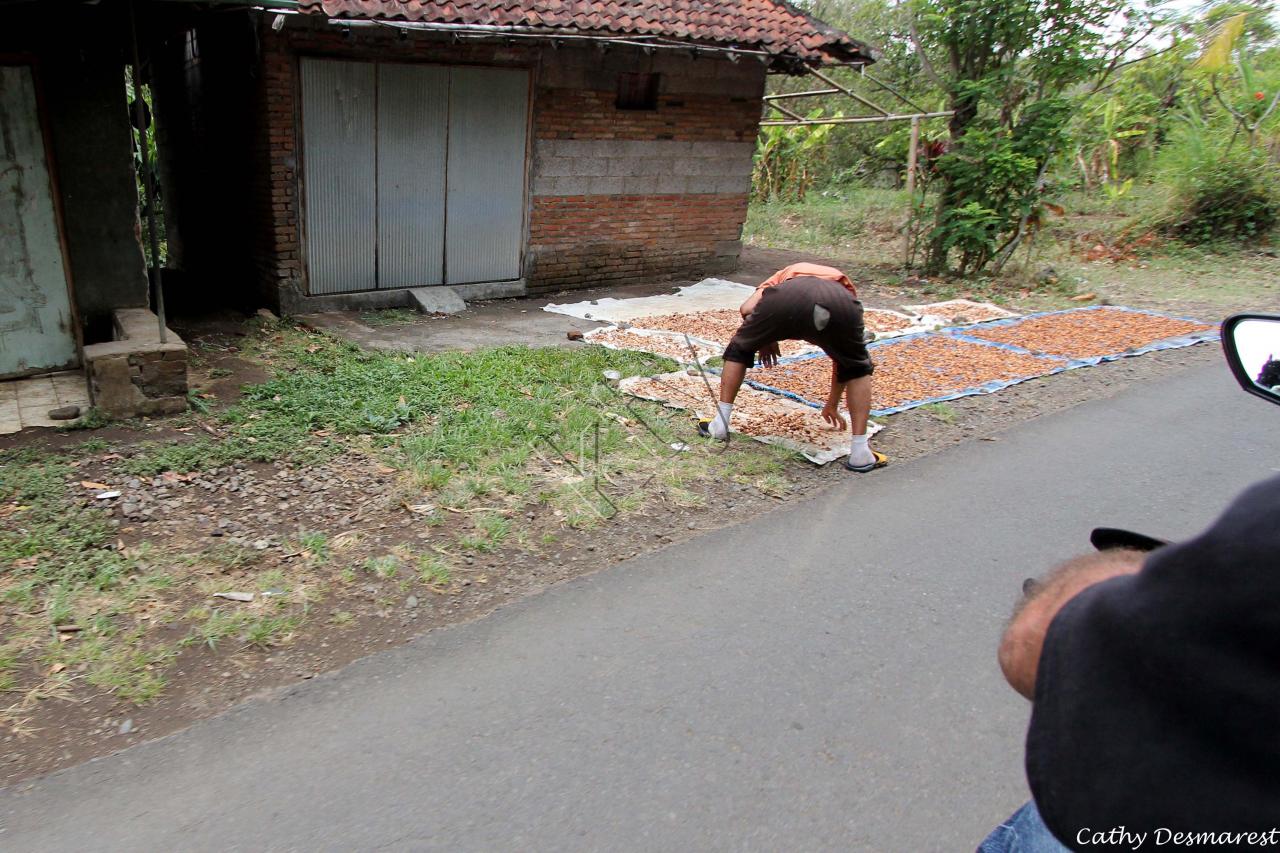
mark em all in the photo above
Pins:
pixel 831 411
pixel 1023 640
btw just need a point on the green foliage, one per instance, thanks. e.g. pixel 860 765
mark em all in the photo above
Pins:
pixel 1012 72
pixel 1220 192
pixel 450 412
pixel 785 159
pixel 993 180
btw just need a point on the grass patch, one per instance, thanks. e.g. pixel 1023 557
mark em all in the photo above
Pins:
pixel 940 412
pixel 440 416
pixel 386 566
pixel 433 570
pixel 824 223
pixel 315 544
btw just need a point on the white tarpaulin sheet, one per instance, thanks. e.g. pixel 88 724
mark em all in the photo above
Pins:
pixel 707 295
pixel 762 416
pixel 668 344
pixel 958 312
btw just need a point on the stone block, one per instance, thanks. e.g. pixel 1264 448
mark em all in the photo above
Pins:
pixel 733 185
pixel 587 167
pixel 728 249
pixel 702 184
pixel 437 300
pixel 129 375
pixel 640 185
pixel 605 186
pixel 111 386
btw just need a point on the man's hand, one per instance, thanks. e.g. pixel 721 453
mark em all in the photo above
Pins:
pixel 831 414
pixel 769 355
pixel 1023 640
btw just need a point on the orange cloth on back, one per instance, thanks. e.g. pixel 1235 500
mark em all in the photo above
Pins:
pixel 813 270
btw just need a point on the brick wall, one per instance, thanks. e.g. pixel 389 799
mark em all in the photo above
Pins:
pixel 615 195
pixel 639 195
pixel 588 240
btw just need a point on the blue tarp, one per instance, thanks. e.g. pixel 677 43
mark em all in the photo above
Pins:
pixel 1053 363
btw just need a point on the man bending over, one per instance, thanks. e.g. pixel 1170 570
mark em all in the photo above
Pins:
pixel 812 303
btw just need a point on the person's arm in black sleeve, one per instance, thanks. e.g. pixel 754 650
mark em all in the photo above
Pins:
pixel 1157 693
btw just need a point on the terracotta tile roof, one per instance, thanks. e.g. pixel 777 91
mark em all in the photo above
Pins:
pixel 770 25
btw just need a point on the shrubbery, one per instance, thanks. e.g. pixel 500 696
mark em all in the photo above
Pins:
pixel 1221 189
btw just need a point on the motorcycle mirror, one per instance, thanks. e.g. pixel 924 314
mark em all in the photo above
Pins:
pixel 1252 346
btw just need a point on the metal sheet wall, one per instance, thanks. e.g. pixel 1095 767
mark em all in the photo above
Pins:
pixel 413 105
pixel 488 113
pixel 339 156
pixel 415 174
pixel 35 308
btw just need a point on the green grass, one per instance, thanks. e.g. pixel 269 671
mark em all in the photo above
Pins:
pixel 386 566
pixel 468 432
pixel 441 415
pixel 940 412
pixel 267 631
pixel 316 544
pixel 433 570
pixel 824 223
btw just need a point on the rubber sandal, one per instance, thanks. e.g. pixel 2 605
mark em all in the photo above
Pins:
pixel 881 461
pixel 704 429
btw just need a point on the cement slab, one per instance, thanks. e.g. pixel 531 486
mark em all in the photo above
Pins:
pixel 437 300
pixel 502 322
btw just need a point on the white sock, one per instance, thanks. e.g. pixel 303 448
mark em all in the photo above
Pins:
pixel 860 452
pixel 719 426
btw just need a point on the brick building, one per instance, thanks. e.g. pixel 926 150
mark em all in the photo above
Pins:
pixel 501 150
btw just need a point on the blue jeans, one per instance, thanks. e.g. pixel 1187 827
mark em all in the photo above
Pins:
pixel 1023 832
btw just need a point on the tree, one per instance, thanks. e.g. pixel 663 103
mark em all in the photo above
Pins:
pixel 1013 72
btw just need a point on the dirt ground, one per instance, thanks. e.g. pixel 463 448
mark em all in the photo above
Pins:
pixel 250 509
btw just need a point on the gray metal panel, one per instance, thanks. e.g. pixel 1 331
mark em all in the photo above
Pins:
pixel 413 104
pixel 340 170
pixel 487 125
pixel 35 309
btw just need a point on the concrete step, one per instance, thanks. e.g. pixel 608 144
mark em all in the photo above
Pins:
pixel 437 300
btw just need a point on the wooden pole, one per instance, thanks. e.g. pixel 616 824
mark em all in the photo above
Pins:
pixel 912 156
pixel 913 153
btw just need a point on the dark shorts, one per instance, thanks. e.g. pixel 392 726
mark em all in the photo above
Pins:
pixel 785 312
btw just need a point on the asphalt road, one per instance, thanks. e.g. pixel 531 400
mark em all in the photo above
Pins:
pixel 820 678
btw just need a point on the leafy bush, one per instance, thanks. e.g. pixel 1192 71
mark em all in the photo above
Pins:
pixel 1220 192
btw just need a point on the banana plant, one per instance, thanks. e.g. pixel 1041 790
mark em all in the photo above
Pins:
pixel 786 156
pixel 1228 51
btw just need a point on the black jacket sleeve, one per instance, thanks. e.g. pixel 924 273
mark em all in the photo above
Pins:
pixel 1158 694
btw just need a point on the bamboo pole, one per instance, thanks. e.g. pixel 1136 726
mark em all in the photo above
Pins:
pixel 912 154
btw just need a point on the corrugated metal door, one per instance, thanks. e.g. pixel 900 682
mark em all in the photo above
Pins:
pixel 36 328
pixel 413 105
pixel 415 174
pixel 338 100
pixel 487 121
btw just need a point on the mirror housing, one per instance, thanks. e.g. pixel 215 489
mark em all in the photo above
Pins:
pixel 1251 343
